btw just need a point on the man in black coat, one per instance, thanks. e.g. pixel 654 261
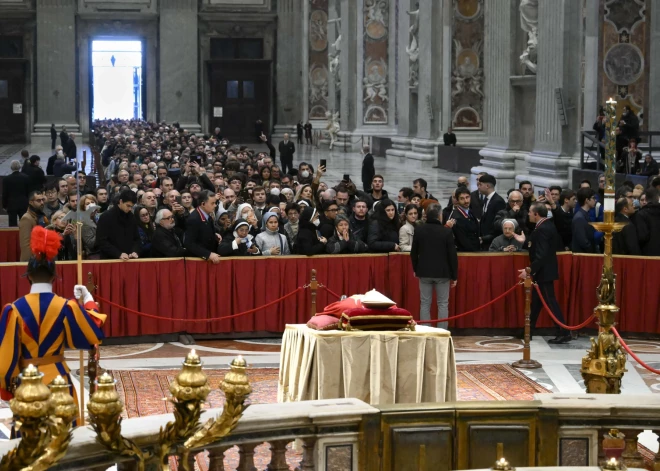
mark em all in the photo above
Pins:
pixel 201 239
pixel 466 226
pixel 117 236
pixel 287 149
pixel 368 169
pixel 650 167
pixel 493 203
pixel 53 136
pixel 625 242
pixel 647 221
pixel 544 268
pixel 435 263
pixel 35 173
pixel 71 150
pixel 64 137
pixel 514 210
pixel 449 138
pixel 165 242
pixel 15 191
pixel 477 198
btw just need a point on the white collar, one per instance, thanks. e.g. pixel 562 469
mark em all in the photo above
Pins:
pixel 41 288
pixel 488 197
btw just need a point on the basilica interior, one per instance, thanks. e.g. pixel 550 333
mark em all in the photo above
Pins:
pixel 189 345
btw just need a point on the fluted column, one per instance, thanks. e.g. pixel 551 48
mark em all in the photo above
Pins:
pixel 558 68
pixel 501 24
pixel 348 58
pixel 288 66
pixel 178 78
pixel 654 67
pixel 56 64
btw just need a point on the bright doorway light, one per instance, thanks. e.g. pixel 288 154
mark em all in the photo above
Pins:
pixel 117 79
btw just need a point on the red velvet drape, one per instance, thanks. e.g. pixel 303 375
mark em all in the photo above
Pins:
pixel 191 288
pixel 10 246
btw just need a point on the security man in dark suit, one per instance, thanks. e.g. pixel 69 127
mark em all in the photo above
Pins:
pixel 465 225
pixel 201 239
pixel 477 199
pixel 625 242
pixel 493 203
pixel 543 244
pixel 15 191
pixel 287 149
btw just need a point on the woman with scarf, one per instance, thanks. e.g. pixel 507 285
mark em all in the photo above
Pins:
pixel 270 241
pixel 384 228
pixel 240 242
pixel 145 229
pixel 343 240
pixel 310 241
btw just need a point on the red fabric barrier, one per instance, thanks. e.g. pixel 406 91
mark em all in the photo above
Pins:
pixel 10 246
pixel 193 288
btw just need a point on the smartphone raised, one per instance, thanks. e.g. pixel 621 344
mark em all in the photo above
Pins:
pixel 346 178
pixel 400 207
pixel 540 192
pixel 324 163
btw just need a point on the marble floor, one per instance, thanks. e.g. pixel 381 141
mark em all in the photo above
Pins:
pixel 397 176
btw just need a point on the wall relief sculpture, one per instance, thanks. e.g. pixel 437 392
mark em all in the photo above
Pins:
pixel 529 22
pixel 375 84
pixel 413 48
pixel 318 59
pixel 334 57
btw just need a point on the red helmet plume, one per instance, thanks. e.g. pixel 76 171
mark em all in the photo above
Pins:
pixel 45 244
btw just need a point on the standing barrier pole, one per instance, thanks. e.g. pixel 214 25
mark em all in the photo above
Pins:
pixel 527 361
pixel 313 285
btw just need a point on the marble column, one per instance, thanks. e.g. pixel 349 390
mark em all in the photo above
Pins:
pixel 288 66
pixel 558 70
pixel 430 87
pixel 591 61
pixel 178 79
pixel 56 66
pixel 348 71
pixel 654 67
pixel 406 94
pixel 501 24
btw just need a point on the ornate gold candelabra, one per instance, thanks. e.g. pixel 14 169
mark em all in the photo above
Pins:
pixel 604 364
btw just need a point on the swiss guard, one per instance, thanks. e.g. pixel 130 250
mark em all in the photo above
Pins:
pixel 36 328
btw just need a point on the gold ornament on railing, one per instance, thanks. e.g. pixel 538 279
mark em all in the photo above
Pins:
pixel 236 388
pixel 105 410
pixel 189 390
pixel 503 465
pixel 604 365
pixel 63 411
pixel 30 409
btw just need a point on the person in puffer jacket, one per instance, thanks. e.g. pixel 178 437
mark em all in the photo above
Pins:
pixel 270 241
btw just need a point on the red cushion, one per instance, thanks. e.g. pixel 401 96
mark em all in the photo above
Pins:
pixel 337 308
pixel 323 322
pixel 394 318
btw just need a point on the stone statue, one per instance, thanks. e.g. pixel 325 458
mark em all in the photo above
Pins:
pixel 467 76
pixel 332 126
pixel 376 11
pixel 413 48
pixel 375 81
pixel 529 22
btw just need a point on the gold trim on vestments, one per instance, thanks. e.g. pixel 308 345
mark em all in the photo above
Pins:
pixel 434 332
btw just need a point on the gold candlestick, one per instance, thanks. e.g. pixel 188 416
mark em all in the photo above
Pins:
pixel 604 364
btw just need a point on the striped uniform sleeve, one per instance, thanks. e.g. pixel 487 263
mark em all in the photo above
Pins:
pixel 10 344
pixel 82 326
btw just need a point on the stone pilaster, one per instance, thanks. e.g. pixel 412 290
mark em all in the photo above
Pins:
pixel 591 62
pixel 334 85
pixel 348 60
pixel 654 67
pixel 179 79
pixel 558 69
pixel 501 24
pixel 289 106
pixel 429 89
pixel 56 65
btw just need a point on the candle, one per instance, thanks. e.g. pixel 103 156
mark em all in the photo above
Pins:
pixel 192 352
pixel 611 101
pixel 240 358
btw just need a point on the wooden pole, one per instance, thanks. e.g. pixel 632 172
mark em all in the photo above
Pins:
pixel 81 301
pixel 313 285
pixel 527 361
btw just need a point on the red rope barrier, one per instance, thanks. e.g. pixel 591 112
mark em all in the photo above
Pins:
pixel 630 352
pixel 564 326
pixel 473 310
pixel 330 291
pixel 213 319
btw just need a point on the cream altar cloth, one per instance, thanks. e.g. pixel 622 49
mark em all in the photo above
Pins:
pixel 375 367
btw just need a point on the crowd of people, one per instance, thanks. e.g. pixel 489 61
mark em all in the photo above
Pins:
pixel 172 193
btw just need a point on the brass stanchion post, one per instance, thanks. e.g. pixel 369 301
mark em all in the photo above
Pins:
pixel 527 361
pixel 313 286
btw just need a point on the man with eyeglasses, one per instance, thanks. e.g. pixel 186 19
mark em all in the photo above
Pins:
pixel 327 226
pixel 514 210
pixel 165 242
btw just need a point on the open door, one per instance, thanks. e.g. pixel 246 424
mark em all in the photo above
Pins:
pixel 12 101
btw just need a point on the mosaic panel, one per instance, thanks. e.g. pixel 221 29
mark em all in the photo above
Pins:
pixel 376 82
pixel 318 59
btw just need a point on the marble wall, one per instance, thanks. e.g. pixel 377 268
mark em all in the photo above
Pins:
pixel 375 81
pixel 318 59
pixel 624 55
pixel 467 76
